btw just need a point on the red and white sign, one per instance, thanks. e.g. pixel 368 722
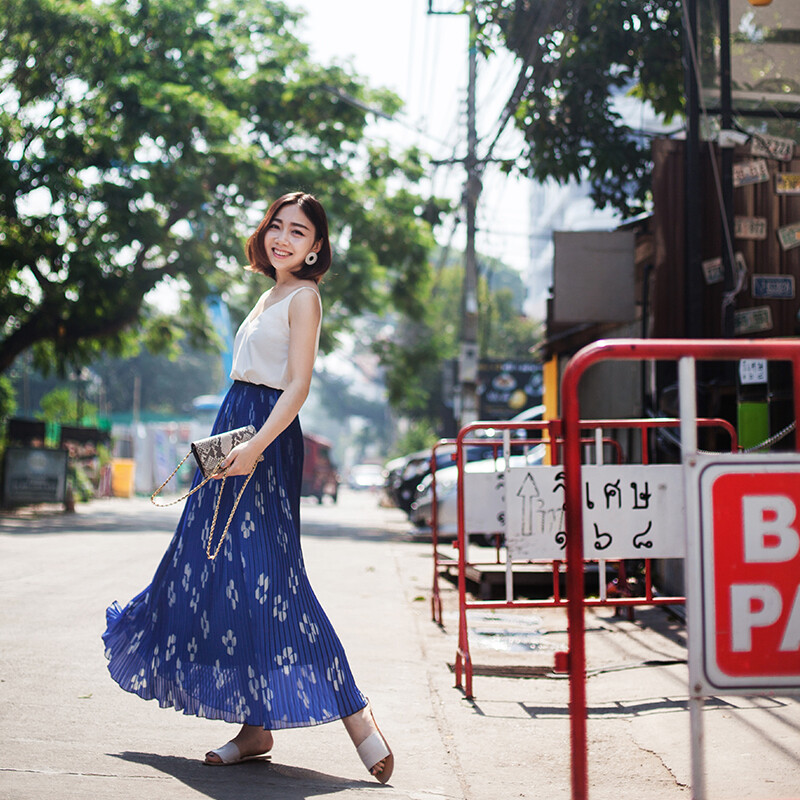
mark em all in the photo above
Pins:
pixel 750 552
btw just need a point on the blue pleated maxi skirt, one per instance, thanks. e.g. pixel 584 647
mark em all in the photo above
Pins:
pixel 242 638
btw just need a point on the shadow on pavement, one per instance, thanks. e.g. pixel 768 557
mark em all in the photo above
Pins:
pixel 96 521
pixel 253 779
pixel 138 515
pixel 657 619
pixel 346 530
pixel 624 708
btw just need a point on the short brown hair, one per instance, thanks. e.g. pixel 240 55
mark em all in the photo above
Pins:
pixel 312 208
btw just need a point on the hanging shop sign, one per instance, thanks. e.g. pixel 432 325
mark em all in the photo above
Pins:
pixel 755 170
pixel 787 183
pixel 714 272
pixel 772 147
pixel 773 287
pixel 752 320
pixel 507 387
pixel 789 236
pixel 750 227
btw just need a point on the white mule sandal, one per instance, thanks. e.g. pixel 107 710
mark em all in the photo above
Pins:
pixel 230 754
pixel 373 750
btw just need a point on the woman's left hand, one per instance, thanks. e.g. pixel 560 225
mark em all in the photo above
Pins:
pixel 240 461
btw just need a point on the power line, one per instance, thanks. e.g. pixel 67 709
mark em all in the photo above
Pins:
pixel 524 77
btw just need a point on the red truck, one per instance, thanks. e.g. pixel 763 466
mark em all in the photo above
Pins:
pixel 320 477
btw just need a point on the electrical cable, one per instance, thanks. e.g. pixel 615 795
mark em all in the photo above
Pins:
pixel 523 79
pixel 669 436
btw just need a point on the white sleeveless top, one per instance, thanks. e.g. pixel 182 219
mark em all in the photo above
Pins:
pixel 261 346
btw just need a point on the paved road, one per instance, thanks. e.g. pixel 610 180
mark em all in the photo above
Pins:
pixel 69 732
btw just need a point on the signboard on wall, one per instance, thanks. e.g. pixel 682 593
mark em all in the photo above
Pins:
pixel 593 276
pixel 34 475
pixel 775 287
pixel 507 387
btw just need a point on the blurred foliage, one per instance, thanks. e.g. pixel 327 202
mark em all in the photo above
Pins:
pixel 421 435
pixel 576 60
pixel 141 141
pixel 79 481
pixel 415 355
pixel 8 401
pixel 61 405
pixel 166 386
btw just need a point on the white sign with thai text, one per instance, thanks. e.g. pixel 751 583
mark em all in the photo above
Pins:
pixel 789 236
pixel 629 511
pixel 714 271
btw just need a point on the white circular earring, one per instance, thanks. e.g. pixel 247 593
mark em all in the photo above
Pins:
pixel 311 258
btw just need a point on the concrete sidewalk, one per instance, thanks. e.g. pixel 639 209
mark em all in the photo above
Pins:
pixel 70 732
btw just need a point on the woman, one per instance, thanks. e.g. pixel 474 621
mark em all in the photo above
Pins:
pixel 243 637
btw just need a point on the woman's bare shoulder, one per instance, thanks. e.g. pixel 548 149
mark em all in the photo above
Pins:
pixel 307 303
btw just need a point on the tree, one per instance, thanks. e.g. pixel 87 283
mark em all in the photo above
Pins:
pixel 415 354
pixel 576 60
pixel 504 332
pixel 60 405
pixel 8 403
pixel 140 142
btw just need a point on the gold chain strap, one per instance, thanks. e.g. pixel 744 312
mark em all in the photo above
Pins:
pixel 230 518
pixel 188 494
pixel 199 486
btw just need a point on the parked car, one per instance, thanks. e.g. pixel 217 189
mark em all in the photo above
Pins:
pixel 447 491
pixel 404 475
pixel 320 477
pixel 366 476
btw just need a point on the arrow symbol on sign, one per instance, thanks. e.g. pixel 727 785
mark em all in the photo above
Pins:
pixel 528 492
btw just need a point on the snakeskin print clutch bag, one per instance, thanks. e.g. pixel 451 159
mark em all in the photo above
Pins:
pixel 211 452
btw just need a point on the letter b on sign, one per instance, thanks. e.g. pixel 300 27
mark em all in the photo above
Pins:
pixel 755 555
pixel 768 535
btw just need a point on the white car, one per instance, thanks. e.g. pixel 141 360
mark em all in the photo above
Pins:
pixel 366 476
pixel 447 491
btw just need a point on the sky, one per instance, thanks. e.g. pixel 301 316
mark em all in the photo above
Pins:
pixel 423 58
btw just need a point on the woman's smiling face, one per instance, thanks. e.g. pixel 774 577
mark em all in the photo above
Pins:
pixel 289 238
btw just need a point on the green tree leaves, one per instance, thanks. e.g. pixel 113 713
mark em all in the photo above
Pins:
pixel 141 141
pixel 578 60
pixel 416 353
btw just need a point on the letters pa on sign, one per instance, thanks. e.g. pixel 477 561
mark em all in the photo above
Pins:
pixel 756 555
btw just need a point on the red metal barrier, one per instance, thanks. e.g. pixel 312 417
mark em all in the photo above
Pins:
pixel 625 350
pixel 441 562
pixel 463 662
pixel 438 562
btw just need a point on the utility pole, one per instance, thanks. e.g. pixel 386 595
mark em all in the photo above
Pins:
pixel 469 355
pixel 693 214
pixel 466 406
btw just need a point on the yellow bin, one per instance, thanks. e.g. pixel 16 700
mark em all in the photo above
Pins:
pixel 122 477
